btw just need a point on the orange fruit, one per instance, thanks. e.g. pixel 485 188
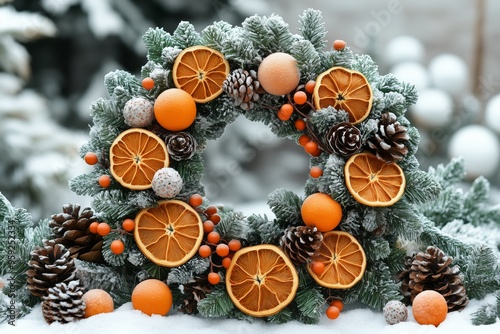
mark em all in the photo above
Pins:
pixel 175 110
pixel 344 89
pixel 169 234
pixel 200 71
pixel 152 296
pixel 429 307
pixel 373 182
pixel 135 156
pixel 344 260
pixel 278 73
pixel 322 211
pixel 261 280
pixel 97 301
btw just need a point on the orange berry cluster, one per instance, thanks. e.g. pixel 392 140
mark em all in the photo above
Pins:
pixel 333 311
pixel 117 246
pixel 301 98
pixel 91 159
pixel 218 250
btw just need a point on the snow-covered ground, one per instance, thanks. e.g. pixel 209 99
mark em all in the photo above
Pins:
pixel 353 320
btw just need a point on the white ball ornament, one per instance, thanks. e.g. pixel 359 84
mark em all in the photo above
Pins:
pixel 479 147
pixel 492 113
pixel 138 112
pixel 433 108
pixel 412 72
pixel 395 312
pixel 449 73
pixel 167 183
pixel 404 48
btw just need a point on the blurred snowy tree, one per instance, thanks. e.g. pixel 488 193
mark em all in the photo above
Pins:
pixel 36 152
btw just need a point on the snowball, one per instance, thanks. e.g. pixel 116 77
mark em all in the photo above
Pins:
pixel 167 183
pixel 433 108
pixel 449 73
pixel 479 147
pixel 138 112
pixel 395 312
pixel 412 72
pixel 404 48
pixel 492 113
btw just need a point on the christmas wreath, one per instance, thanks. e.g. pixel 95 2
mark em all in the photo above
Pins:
pixel 152 233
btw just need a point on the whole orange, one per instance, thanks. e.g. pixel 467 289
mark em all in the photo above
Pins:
pixel 97 301
pixel 175 109
pixel 152 296
pixel 278 73
pixel 429 308
pixel 322 211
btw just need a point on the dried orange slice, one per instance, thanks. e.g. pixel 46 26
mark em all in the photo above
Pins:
pixel 261 280
pixel 373 182
pixel 344 89
pixel 344 260
pixel 135 156
pixel 200 71
pixel 169 234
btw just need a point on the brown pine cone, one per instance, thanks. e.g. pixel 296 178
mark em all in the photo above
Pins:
pixel 388 143
pixel 180 145
pixel 300 243
pixel 71 228
pixel 430 270
pixel 49 265
pixel 343 139
pixel 193 292
pixel 64 303
pixel 244 87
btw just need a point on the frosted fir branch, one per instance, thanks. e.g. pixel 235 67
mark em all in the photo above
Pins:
pixel 480 269
pixel 185 273
pixel 86 184
pixel 445 208
pixel 412 143
pixel 351 222
pixel 322 120
pixel 169 54
pixel 420 187
pixel 313 28
pixel 216 304
pixel 366 65
pixel 286 206
pixel 395 103
pixel 307 58
pixel 191 170
pixel 343 58
pixel 214 36
pixel 404 222
pixel 283 316
pixel 376 248
pixel 232 225
pixel 155 40
pixel 106 113
pixel 124 82
pixel 115 260
pixel 333 181
pixel 369 220
pixel 485 315
pixel 6 209
pixel 449 174
pixel 389 83
pixel 99 276
pixel 113 205
pixel 185 35
pixel 242 51
pixel 409 91
pixel 309 302
pixel 263 230
pixel 280 37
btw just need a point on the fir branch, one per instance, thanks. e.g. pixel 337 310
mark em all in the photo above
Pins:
pixel 445 208
pixel 351 222
pixel 216 304
pixel 309 302
pixel 232 225
pixel 280 37
pixel 481 271
pixel 185 35
pixel 215 36
pixel 262 230
pixel 155 39
pixel 241 50
pixel 185 273
pixel 369 219
pixel 307 59
pixel 322 120
pixel 376 248
pixel 366 65
pixel 313 28
pixel 389 83
pixel 475 202
pixel 485 315
pixel 86 184
pixel 122 85
pixel 286 205
pixel 115 260
pixel 413 142
pixel 409 91
pixel 333 181
pixel 6 208
pixel 395 103
pixel 283 316
pixel 113 204
pixel 403 221
pixel 155 271
pixel 420 187
pixel 191 170
pixel 343 58
pixel 450 174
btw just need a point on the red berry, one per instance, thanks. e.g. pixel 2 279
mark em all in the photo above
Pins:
pixel 195 200
pixel 117 247
pixel 304 139
pixel 339 44
pixel 283 117
pixel 208 226
pixel 211 210
pixel 332 312
pixel 311 147
pixel 148 83
pixel 93 227
pixel 90 158
pixel 338 304
pixel 234 245
pixel 213 237
pixel 310 86
pixel 300 125
pixel 226 262
pixel 286 109
pixel 103 229
pixel 300 97
pixel 215 218
pixel 316 172
pixel 317 267
pixel 104 181
pixel 213 278
pixel 222 250
pixel 205 251
pixel 128 225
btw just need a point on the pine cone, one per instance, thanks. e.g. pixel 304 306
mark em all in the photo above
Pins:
pixel 193 292
pixel 71 229
pixel 49 265
pixel 343 139
pixel 430 270
pixel 300 243
pixel 244 87
pixel 64 303
pixel 389 141
pixel 180 145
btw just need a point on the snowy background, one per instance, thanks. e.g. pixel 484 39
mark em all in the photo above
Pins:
pixel 54 54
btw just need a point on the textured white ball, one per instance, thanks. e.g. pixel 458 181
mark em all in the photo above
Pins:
pixel 395 312
pixel 167 183
pixel 449 73
pixel 138 112
pixel 404 48
pixel 412 72
pixel 492 113
pixel 433 108
pixel 479 148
